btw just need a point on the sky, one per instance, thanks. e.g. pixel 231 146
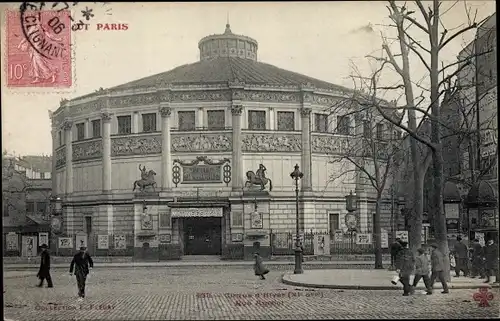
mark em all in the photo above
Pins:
pixel 319 39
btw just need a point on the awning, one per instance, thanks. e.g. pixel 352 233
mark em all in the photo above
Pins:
pixel 197 212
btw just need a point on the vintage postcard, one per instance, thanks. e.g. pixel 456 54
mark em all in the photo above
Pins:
pixel 249 160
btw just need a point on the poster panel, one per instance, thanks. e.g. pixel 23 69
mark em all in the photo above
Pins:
pixel 102 242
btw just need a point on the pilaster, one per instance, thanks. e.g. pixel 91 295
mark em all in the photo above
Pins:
pixel 200 123
pixel 237 179
pixel 106 152
pixel 272 118
pixel 86 129
pixel 306 157
pixel 110 214
pixel 53 175
pixel 69 220
pixel 135 122
pixel 166 155
pixel 68 135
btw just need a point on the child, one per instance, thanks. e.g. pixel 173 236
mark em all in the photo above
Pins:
pixel 259 267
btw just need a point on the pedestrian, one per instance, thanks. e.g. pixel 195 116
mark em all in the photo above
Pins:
pixel 437 263
pixel 395 248
pixel 82 262
pixel 44 272
pixel 405 264
pixel 422 270
pixel 461 258
pixel 491 256
pixel 477 260
pixel 259 268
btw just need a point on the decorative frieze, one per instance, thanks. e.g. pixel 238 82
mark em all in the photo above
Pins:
pixel 136 145
pixel 87 150
pixel 329 144
pixel 183 142
pixel 270 96
pixel 88 107
pixel 61 157
pixel 270 142
pixel 134 100
pixel 186 96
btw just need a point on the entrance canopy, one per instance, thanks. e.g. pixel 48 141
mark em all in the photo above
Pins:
pixel 197 212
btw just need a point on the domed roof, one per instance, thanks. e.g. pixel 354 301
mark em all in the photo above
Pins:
pixel 451 193
pixel 228 69
pixel 224 58
pixel 481 193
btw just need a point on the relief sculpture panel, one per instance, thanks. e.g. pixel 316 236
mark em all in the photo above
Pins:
pixel 182 142
pixel 87 150
pixel 271 143
pixel 136 145
pixel 329 144
pixel 61 157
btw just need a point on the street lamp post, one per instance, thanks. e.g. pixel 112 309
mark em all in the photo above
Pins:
pixel 296 175
pixel 351 220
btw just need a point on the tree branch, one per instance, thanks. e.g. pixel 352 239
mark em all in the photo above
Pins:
pixel 458 33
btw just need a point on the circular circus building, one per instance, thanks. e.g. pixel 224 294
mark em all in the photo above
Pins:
pixel 158 167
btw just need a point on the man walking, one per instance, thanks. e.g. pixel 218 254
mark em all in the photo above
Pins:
pixel 491 255
pixel 477 259
pixel 82 262
pixel 44 272
pixel 395 248
pixel 437 263
pixel 405 267
pixel 461 258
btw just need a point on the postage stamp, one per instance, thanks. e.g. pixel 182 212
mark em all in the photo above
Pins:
pixel 38 48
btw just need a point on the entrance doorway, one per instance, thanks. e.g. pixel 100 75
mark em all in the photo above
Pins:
pixel 203 236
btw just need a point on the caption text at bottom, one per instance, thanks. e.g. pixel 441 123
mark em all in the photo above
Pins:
pixel 260 299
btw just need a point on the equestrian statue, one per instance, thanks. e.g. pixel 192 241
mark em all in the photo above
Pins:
pixel 259 178
pixel 147 179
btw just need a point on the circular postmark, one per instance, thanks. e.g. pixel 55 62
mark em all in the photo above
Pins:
pixel 43 30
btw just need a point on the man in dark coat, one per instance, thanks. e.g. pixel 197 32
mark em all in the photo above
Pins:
pixel 461 258
pixel 395 248
pixel 44 272
pixel 405 265
pixel 437 267
pixel 82 262
pixel 259 267
pixel 477 259
pixel 491 256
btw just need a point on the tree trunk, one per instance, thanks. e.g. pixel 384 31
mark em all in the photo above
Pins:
pixel 378 234
pixel 415 233
pixel 437 154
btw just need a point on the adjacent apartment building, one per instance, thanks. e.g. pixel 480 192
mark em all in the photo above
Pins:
pixel 26 191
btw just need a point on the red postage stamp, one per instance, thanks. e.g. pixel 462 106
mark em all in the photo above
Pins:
pixel 38 49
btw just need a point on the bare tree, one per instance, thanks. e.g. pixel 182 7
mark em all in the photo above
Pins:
pixel 427 104
pixel 372 150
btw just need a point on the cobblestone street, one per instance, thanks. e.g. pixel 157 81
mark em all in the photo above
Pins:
pixel 229 293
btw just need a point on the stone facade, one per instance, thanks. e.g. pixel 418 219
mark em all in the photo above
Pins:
pixel 203 167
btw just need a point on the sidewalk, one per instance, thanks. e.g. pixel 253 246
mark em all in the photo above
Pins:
pixel 128 259
pixel 307 264
pixel 363 279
